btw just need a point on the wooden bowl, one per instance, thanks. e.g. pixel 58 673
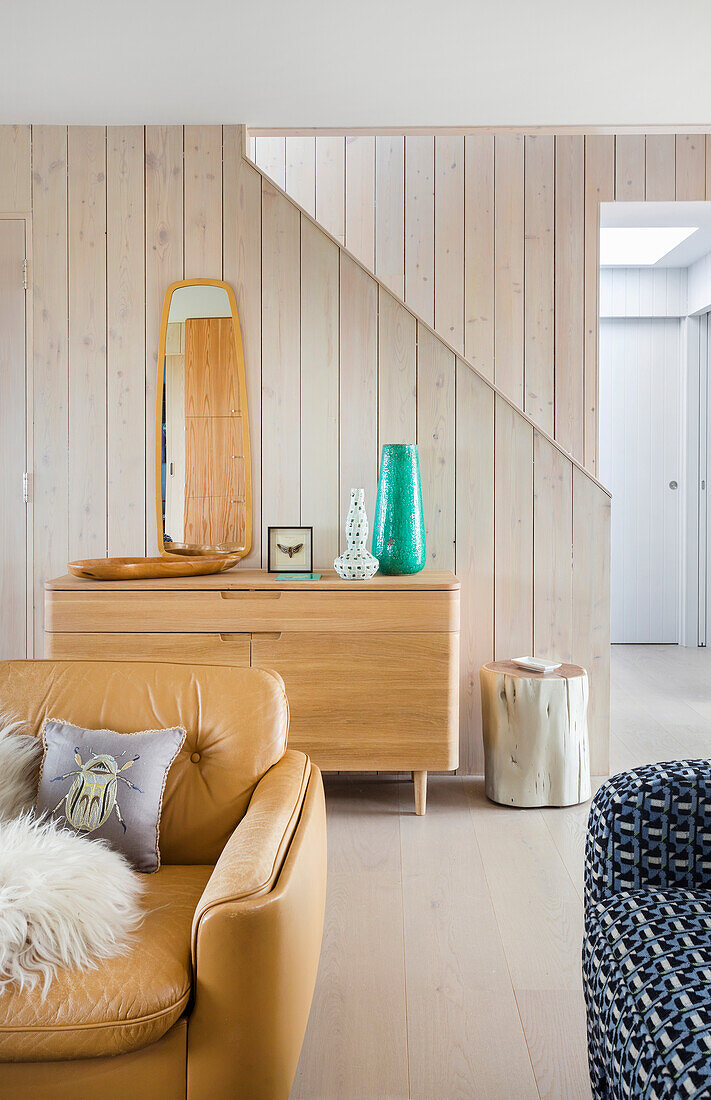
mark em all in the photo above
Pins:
pixel 133 569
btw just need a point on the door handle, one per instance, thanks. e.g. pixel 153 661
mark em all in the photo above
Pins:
pixel 672 484
pixel 250 594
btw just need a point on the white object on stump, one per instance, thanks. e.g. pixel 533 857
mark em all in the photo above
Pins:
pixel 535 735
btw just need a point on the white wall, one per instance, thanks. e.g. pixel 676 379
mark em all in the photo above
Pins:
pixel 656 291
pixel 320 63
pixel 643 292
pixel 699 285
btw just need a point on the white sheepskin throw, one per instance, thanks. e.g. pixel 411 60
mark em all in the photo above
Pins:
pixel 20 756
pixel 65 900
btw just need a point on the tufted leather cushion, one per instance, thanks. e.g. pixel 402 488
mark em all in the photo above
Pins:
pixel 129 1002
pixel 236 720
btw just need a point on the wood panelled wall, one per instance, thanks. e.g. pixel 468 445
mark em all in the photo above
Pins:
pixel 336 365
pixel 493 240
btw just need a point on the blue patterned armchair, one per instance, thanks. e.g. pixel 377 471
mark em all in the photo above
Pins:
pixel 647 946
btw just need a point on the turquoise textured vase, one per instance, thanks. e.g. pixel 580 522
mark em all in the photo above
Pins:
pixel 399 527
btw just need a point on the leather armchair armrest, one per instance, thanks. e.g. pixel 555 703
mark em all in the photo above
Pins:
pixel 650 827
pixel 256 941
pixel 254 853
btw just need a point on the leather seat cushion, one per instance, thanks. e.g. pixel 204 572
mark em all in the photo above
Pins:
pixel 236 720
pixel 127 1002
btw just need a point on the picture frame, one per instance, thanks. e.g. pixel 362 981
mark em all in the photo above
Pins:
pixel 290 549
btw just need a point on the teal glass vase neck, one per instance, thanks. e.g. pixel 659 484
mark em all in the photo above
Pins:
pixel 399 525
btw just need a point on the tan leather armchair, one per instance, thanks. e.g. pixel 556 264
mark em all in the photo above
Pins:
pixel 213 999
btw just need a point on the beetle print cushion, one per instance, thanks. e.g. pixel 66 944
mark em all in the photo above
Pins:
pixel 109 785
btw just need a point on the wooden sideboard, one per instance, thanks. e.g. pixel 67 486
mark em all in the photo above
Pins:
pixel 370 667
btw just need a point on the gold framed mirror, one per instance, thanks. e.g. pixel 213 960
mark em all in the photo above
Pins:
pixel 203 467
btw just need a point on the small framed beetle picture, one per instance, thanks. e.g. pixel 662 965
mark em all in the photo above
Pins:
pixel 290 550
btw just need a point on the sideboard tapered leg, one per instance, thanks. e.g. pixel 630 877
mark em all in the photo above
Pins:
pixel 420 781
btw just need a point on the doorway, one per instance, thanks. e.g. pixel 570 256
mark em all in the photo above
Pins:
pixel 655 294
pixel 15 543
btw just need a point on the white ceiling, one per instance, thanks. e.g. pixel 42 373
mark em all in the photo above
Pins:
pixel 363 62
pixel 662 214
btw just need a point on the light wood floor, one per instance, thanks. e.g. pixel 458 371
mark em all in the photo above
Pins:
pixel 451 956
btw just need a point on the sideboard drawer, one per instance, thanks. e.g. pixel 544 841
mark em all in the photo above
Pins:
pixel 199 649
pixel 248 610
pixel 362 701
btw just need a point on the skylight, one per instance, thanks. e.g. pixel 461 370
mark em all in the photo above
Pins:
pixel 640 246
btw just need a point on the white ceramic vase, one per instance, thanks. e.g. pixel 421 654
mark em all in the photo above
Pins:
pixel 357 563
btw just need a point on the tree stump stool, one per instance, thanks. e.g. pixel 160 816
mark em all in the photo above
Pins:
pixel 535 735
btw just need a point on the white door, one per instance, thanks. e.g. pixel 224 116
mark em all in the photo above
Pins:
pixel 640 462
pixel 13 520
pixel 704 469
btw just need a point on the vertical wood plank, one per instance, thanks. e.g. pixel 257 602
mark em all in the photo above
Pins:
pixel 539 280
pixel 51 362
pixel 331 185
pixel 397 372
pixel 390 212
pixel 358 387
pixel 554 1021
pixel 513 532
pixel 540 920
pixel 348 1052
pixel 126 351
pixel 435 438
pixel 629 167
pixel 474 554
pixel 479 252
pixel 552 551
pixel 164 265
pixel 270 156
pixel 569 292
pixel 456 1049
pixel 301 171
pixel 281 369
pixel 690 167
pixel 319 391
pixel 599 187
pixel 13 443
pixel 242 266
pixel 449 239
pixel 660 168
pixel 591 606
pixel 87 341
pixel 509 255
pixel 15 169
pixel 360 199
pixel 203 202
pixel 419 226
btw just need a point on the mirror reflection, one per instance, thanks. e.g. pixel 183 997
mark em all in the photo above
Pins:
pixel 204 459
